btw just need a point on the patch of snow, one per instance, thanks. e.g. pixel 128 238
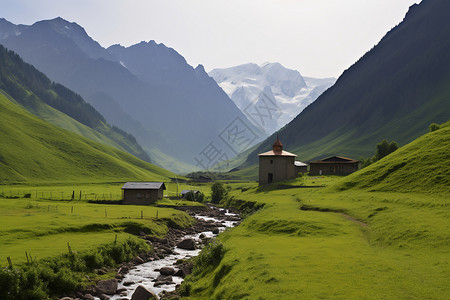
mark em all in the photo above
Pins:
pixel 123 64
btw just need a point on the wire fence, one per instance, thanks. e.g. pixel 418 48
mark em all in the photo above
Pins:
pixel 81 195
pixel 64 196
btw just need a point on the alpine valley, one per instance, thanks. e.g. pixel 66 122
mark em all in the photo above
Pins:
pixel 107 160
pixel 175 111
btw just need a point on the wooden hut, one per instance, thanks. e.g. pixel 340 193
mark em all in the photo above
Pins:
pixel 142 193
pixel 300 167
pixel 336 165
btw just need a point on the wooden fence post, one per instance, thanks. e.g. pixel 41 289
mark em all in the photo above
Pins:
pixel 10 262
pixel 70 249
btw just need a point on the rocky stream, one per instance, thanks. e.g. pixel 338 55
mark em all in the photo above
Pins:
pixel 156 274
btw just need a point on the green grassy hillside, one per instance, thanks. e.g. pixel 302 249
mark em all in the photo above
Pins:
pixel 421 166
pixel 59 105
pixel 33 150
pixel 55 117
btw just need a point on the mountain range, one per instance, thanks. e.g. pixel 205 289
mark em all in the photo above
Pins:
pixel 270 95
pixel 392 92
pixel 176 112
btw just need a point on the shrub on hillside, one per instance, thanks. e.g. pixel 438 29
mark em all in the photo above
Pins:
pixel 94 259
pixel 384 148
pixel 434 127
pixel 9 283
pixel 198 197
pixel 211 255
pixel 218 192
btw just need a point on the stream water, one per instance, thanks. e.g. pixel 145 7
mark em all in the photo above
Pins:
pixel 145 274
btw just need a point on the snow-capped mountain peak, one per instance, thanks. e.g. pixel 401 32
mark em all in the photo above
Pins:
pixel 270 95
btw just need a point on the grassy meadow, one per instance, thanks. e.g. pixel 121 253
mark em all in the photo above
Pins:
pixel 55 246
pixel 43 228
pixel 96 191
pixel 50 217
pixel 320 244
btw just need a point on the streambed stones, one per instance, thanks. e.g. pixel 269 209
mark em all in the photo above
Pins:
pixel 167 271
pixel 141 293
pixel 108 287
pixel 187 244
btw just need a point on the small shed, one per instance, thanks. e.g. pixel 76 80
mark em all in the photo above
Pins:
pixel 300 167
pixel 142 193
pixel 335 165
pixel 184 192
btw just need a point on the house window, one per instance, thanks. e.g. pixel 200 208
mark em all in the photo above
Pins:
pixel 271 161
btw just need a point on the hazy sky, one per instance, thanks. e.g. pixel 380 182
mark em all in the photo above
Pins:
pixel 319 38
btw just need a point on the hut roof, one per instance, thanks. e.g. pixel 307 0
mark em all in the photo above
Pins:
pixel 144 186
pixel 335 160
pixel 184 192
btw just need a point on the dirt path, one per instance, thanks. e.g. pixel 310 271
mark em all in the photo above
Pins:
pixel 348 217
pixel 353 220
